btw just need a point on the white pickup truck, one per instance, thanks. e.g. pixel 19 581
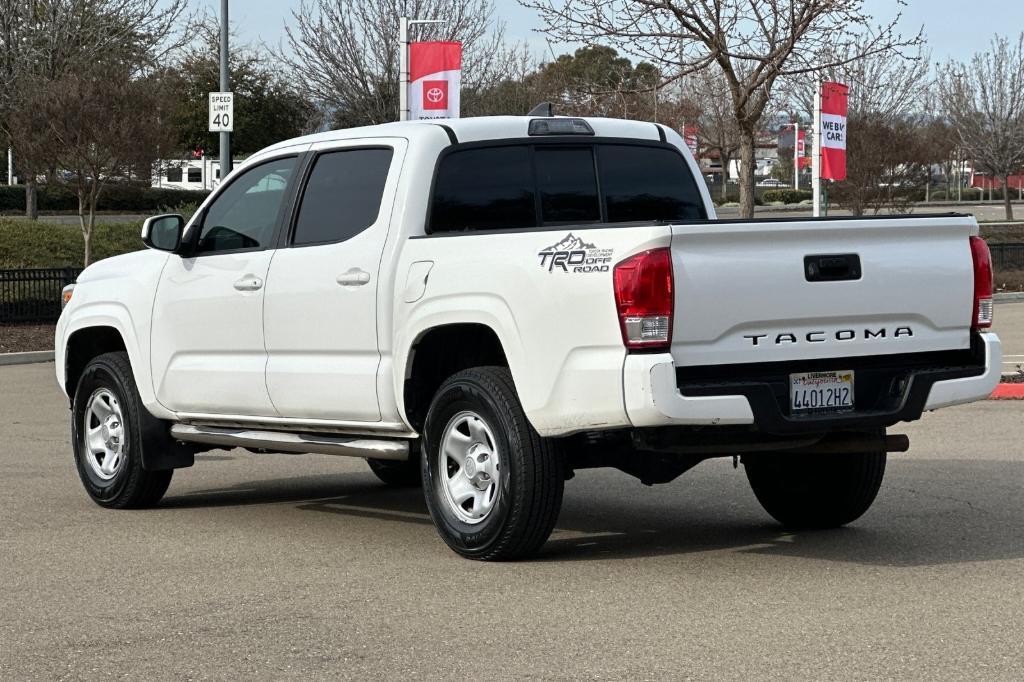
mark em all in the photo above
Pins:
pixel 487 305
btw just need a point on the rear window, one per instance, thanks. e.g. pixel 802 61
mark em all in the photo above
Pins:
pixel 526 185
pixel 647 183
pixel 567 184
pixel 484 189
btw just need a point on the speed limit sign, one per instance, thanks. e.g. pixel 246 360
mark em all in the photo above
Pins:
pixel 222 112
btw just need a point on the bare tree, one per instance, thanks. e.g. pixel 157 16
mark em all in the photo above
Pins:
pixel 97 126
pixel 43 40
pixel 752 42
pixel 886 164
pixel 718 132
pixel 344 54
pixel 887 84
pixel 984 100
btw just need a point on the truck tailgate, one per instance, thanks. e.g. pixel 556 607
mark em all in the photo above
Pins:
pixel 766 291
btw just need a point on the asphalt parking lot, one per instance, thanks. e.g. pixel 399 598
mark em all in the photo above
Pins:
pixel 275 566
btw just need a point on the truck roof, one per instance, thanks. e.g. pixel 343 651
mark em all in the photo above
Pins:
pixel 477 129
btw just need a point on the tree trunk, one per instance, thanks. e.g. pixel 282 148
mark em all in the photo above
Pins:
pixel 86 218
pixel 31 199
pixel 1007 204
pixel 746 179
pixel 726 160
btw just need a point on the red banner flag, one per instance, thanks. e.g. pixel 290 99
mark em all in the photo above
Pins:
pixel 833 131
pixel 690 134
pixel 435 72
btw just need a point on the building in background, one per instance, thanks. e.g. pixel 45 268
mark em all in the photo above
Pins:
pixel 202 173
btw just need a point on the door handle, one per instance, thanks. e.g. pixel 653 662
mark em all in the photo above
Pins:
pixel 249 283
pixel 353 278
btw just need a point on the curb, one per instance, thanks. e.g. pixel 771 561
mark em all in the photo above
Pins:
pixel 26 358
pixel 1008 392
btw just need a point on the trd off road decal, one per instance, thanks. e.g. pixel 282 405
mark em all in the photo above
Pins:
pixel 572 254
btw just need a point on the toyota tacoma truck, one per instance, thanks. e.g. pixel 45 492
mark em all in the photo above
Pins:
pixel 485 306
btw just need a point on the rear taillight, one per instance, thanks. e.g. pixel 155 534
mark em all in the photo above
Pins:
pixel 982 317
pixel 643 295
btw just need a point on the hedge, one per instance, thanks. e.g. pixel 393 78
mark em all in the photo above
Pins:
pixel 126 197
pixel 34 244
pixel 787 196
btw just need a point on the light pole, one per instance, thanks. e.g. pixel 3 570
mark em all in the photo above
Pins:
pixel 225 86
pixel 796 155
pixel 816 157
pixel 403 61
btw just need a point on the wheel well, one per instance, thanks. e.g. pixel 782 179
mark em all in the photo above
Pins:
pixel 440 353
pixel 83 346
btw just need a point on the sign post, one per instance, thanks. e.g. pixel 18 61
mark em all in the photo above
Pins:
pixel 225 89
pixel 816 156
pixel 829 161
pixel 798 149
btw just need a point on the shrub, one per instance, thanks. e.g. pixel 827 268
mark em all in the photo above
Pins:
pixel 122 196
pixel 787 196
pixel 33 244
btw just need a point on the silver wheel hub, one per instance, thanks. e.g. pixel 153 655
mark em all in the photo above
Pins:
pixel 470 467
pixel 104 434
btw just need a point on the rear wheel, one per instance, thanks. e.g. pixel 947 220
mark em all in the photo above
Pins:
pixel 492 484
pixel 814 490
pixel 106 431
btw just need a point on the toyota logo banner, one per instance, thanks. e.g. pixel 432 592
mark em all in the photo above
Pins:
pixel 833 131
pixel 435 70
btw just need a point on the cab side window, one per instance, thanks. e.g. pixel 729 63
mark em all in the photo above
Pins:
pixel 244 214
pixel 343 195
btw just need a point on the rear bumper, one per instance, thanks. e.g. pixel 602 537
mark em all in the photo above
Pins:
pixel 891 389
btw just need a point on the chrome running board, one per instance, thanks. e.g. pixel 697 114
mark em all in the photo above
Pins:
pixel 281 441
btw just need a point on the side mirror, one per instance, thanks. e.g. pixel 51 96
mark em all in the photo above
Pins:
pixel 163 232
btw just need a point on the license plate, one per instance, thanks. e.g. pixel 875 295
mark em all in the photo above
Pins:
pixel 821 391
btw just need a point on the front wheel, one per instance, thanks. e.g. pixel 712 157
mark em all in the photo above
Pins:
pixel 492 484
pixel 106 429
pixel 815 490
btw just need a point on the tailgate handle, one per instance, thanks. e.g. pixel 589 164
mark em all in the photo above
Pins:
pixel 832 267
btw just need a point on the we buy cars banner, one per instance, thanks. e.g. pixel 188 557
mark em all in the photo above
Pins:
pixel 435 74
pixel 833 131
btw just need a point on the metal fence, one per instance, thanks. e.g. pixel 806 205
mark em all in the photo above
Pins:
pixel 1007 256
pixel 33 295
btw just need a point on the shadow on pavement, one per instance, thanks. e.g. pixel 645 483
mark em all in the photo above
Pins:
pixel 928 513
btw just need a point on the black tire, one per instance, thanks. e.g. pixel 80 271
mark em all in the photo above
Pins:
pixel 532 477
pixel 131 487
pixel 807 491
pixel 399 474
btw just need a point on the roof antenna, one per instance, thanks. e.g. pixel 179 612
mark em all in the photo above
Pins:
pixel 543 109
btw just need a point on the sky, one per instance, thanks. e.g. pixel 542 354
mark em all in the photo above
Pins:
pixel 954 29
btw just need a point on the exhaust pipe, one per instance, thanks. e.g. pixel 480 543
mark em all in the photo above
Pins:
pixel 854 443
